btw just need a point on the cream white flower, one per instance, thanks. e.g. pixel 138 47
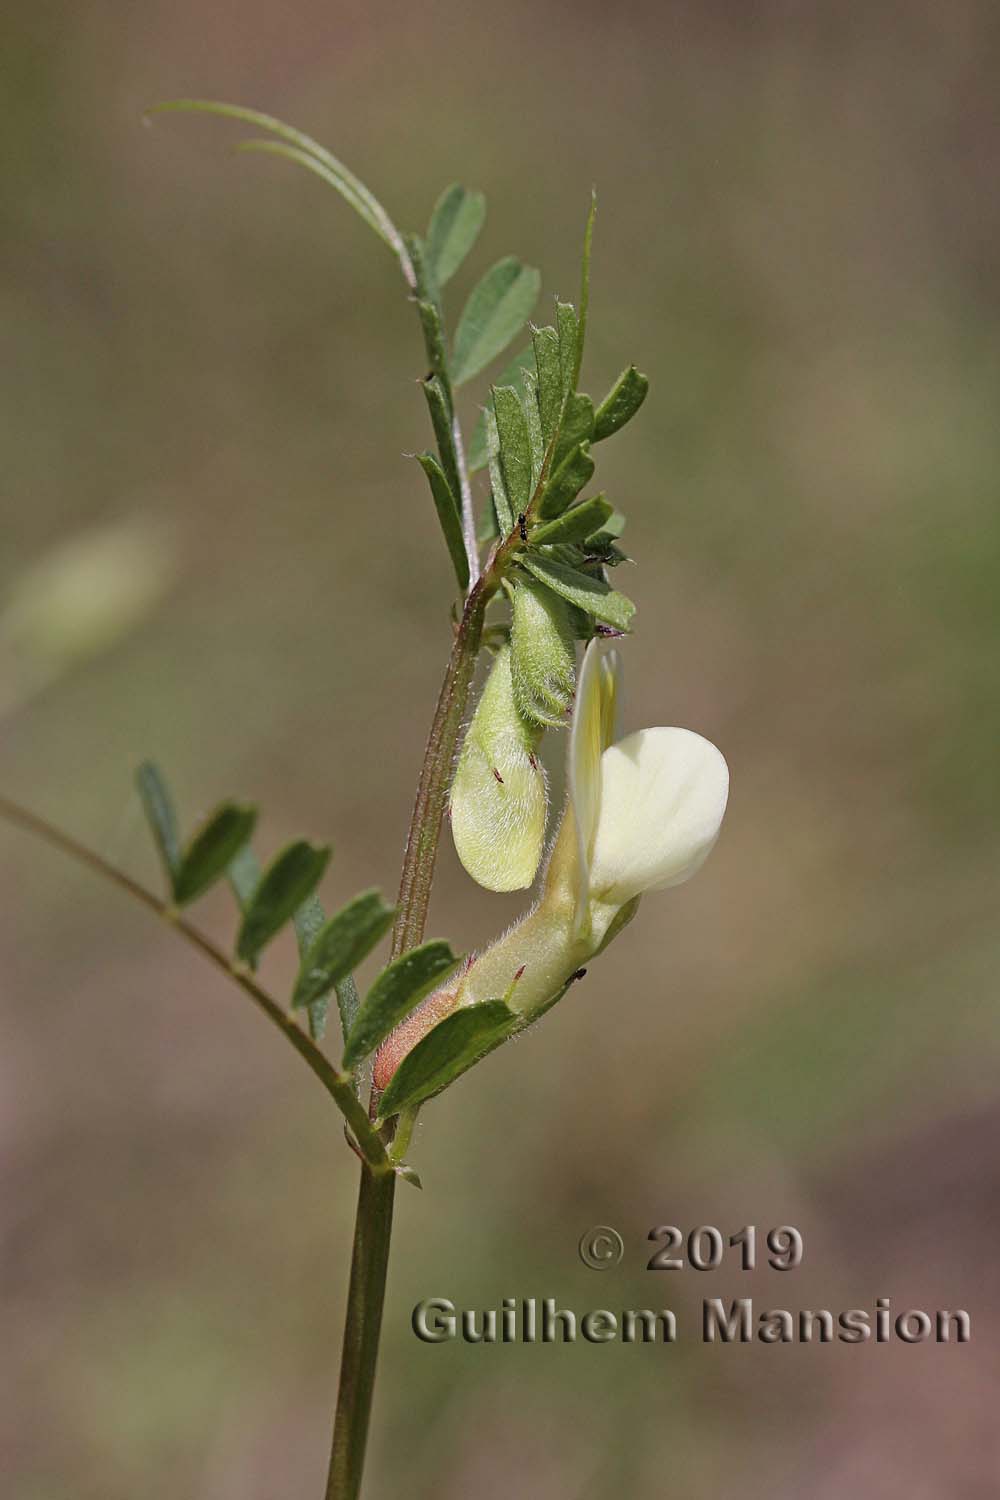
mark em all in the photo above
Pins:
pixel 643 814
pixel 648 808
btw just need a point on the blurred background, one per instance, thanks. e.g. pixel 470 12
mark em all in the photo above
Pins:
pixel 207 392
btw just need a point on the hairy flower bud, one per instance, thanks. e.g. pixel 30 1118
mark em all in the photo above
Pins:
pixel 498 797
pixel 543 660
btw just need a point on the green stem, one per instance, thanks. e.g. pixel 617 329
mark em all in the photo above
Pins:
pixel 435 774
pixel 373 1225
pixel 365 1301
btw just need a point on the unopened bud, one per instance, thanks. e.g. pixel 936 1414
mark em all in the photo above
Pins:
pixel 543 660
pixel 498 796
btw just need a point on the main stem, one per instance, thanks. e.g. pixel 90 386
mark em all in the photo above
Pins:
pixel 435 775
pixel 373 1224
pixel 365 1301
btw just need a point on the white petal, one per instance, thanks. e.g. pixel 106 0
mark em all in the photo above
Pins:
pixel 663 794
pixel 598 698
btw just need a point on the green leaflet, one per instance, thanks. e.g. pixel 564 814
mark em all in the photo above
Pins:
pixel 308 920
pixel 477 456
pixel 590 594
pixel 211 850
pixel 569 343
pixel 515 447
pixel 498 306
pixel 576 470
pixel 158 806
pixel 440 412
pixel 621 403
pixel 533 419
pixel 448 1050
pixel 289 879
pixel 501 504
pixel 575 524
pixel 577 427
pixel 542 653
pixel 588 240
pixel 341 944
pixel 396 991
pixel 550 391
pixel 446 505
pixel 453 230
pixel 244 875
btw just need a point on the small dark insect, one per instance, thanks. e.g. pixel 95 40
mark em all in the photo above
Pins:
pixel 522 527
pixel 497 775
pixel 579 973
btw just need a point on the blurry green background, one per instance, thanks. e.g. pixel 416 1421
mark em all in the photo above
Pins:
pixel 798 241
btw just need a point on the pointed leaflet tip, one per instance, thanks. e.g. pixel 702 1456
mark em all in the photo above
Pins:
pixel 213 847
pixel 447 507
pixel 621 403
pixel 158 806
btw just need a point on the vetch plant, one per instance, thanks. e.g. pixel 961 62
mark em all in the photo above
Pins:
pixel 532 572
